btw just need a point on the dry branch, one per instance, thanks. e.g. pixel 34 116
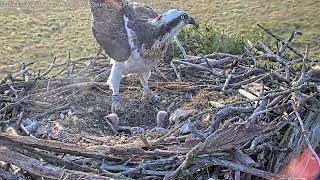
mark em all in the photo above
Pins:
pixel 42 169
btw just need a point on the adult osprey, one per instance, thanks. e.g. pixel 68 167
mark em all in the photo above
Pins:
pixel 135 37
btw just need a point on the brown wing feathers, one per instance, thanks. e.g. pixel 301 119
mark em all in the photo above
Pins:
pixel 109 30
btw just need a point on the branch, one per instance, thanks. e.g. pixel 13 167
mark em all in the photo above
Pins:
pixel 40 168
pixel 279 39
pixel 305 133
pixel 237 167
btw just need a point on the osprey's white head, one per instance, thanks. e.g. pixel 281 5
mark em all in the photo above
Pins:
pixel 172 21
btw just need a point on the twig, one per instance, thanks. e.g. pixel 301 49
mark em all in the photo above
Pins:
pixel 270 53
pixel 224 112
pixel 216 73
pixel 53 159
pixel 237 167
pixel 303 69
pixel 286 45
pixel 247 94
pixel 225 86
pixel 40 168
pixel 12 105
pixel 51 67
pixel 279 39
pixel 237 175
pixel 305 133
pixel 270 95
pixel 161 74
pixel 181 47
pixel 176 71
pixel 184 164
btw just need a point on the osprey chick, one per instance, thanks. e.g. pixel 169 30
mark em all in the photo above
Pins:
pixel 135 37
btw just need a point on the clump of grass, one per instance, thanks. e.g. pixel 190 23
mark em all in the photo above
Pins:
pixel 207 40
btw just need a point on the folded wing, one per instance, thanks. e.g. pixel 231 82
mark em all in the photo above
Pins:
pixel 109 30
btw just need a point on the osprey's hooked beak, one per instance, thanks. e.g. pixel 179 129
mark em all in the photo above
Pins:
pixel 191 21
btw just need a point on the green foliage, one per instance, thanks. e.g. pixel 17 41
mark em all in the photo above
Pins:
pixel 207 40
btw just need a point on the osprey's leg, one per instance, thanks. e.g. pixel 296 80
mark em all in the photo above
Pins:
pixel 114 83
pixel 147 93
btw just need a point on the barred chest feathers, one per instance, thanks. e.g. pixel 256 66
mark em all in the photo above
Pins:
pixel 144 58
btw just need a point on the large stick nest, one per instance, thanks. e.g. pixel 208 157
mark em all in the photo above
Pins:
pixel 220 116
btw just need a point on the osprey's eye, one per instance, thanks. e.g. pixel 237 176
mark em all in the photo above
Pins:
pixel 182 17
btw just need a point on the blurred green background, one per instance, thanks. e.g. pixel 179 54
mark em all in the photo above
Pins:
pixel 42 30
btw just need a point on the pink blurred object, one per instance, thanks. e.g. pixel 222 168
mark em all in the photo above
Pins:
pixel 305 167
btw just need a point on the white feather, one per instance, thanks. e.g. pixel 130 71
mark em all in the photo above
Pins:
pixel 130 33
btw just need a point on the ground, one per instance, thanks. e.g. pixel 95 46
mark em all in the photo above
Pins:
pixel 51 29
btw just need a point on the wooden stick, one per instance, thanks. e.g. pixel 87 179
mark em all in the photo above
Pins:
pixel 31 152
pixel 303 69
pixel 184 164
pixel 51 67
pixel 216 73
pixel 305 133
pixel 181 47
pixel 237 167
pixel 279 39
pixel 269 52
pixel 247 94
pixel 225 86
pixel 286 45
pixel 40 168
pixel 52 146
pixel 178 75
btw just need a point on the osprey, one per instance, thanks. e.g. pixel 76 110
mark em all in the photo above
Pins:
pixel 135 37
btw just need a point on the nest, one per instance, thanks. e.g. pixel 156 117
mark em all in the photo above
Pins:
pixel 220 116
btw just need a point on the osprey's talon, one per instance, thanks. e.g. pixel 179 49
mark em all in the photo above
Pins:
pixel 116 107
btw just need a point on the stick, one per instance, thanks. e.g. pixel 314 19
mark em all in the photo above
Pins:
pixel 304 133
pixel 161 74
pixel 303 69
pixel 181 47
pixel 224 112
pixel 225 86
pixel 176 71
pixel 247 94
pixel 184 164
pixel 270 53
pixel 216 73
pixel 51 66
pixel 237 167
pixel 279 39
pixel 52 146
pixel 54 159
pixel 40 168
pixel 270 95
pixel 286 45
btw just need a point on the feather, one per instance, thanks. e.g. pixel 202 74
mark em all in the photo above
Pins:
pixel 109 30
pixel 112 27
